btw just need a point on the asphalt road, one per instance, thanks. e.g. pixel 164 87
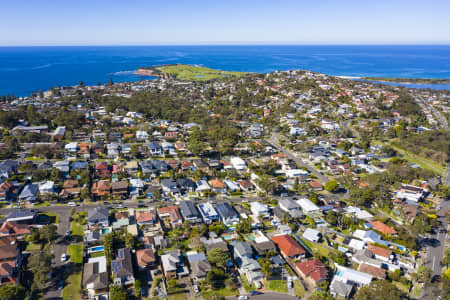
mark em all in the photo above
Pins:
pixel 274 139
pixel 268 296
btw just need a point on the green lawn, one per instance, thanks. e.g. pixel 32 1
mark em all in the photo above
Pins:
pixel 179 296
pixel 53 218
pixel 246 285
pixel 76 253
pixel 97 254
pixel 33 247
pixel 424 163
pixel 417 290
pixel 276 285
pixel 225 292
pixel 299 289
pixel 196 73
pixel 77 229
pixel 72 291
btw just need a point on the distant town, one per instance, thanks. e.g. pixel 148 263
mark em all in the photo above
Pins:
pixel 204 184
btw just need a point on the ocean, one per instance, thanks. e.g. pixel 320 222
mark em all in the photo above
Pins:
pixel 27 69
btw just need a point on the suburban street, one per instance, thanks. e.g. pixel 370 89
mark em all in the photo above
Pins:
pixel 274 141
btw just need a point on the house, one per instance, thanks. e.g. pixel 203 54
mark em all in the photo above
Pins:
pixel 259 209
pixel 261 243
pixel 340 289
pixel 372 270
pixel 14 229
pixel 380 253
pixel 213 243
pixel 169 186
pixel 369 236
pixel 313 271
pixel 208 213
pixel 146 167
pixel 141 135
pixel 243 255
pixel 102 169
pixel 316 186
pixel 71 147
pixel 202 186
pixel 186 185
pixel 312 235
pixel 218 185
pixel 70 189
pixel 383 228
pixel 46 187
pixel 200 266
pixel 238 163
pixel 122 268
pixel 101 188
pixel 10 262
pixel 173 215
pixel 146 259
pixel 96 277
pixel 5 190
pixel 112 150
pixel 98 216
pixel 21 216
pixel 8 167
pixel 160 165
pixel 171 262
pixel 189 212
pixel 146 217
pixel 351 276
pixel 132 167
pixel 29 192
pixel 120 188
pixel 287 205
pixel 289 247
pixel 136 187
pixel 154 149
pixel 246 185
pixel 227 213
pixel 308 207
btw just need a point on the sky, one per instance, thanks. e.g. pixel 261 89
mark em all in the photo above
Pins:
pixel 188 22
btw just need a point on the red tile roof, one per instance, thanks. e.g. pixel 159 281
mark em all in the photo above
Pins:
pixel 145 257
pixel 383 228
pixel 379 251
pixel 288 245
pixel 313 268
pixel 374 271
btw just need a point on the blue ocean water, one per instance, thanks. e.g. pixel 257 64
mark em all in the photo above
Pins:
pixel 26 69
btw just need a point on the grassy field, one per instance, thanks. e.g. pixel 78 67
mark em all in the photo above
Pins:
pixel 76 253
pixel 196 73
pixel 72 291
pixel 424 163
pixel 225 292
pixel 276 285
pixel 76 228
pixel 299 289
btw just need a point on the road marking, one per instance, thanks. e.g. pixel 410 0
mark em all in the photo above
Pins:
pixel 434 260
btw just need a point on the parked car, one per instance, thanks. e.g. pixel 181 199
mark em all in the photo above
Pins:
pixel 243 297
pixel 71 203
pixel 196 289
pixel 63 257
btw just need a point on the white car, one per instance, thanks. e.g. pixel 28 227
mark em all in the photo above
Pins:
pixel 63 257
pixel 196 289
pixel 72 204
pixel 243 297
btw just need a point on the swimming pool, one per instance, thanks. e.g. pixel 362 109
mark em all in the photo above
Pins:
pixel 96 249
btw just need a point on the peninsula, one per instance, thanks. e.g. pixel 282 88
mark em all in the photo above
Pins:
pixel 187 72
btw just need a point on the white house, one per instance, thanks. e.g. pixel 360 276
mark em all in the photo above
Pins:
pixel 238 163
pixel 141 135
pixel 258 208
pixel 307 206
pixel 46 187
pixel 71 147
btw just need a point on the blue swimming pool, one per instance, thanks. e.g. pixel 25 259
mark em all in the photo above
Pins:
pixel 97 249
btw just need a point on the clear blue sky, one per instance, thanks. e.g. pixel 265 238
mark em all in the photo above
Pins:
pixel 136 22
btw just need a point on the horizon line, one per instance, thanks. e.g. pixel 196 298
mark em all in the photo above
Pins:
pixel 226 44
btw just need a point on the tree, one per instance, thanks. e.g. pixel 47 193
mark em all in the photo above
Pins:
pixel 40 263
pixel 12 292
pixel 332 186
pixel 425 276
pixel 245 226
pixel 380 290
pixel 266 266
pixel 218 257
pixel 216 278
pixel 49 232
pixel 117 293
pixel 138 288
